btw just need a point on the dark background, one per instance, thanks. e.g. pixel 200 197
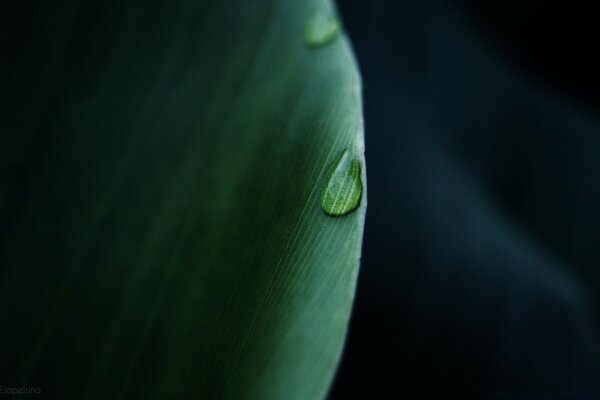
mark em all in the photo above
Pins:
pixel 482 245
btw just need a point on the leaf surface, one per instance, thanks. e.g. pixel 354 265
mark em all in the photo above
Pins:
pixel 161 234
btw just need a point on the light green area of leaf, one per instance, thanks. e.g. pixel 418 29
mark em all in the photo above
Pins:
pixel 167 239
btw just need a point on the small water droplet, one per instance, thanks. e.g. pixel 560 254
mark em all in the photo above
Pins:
pixel 342 188
pixel 321 29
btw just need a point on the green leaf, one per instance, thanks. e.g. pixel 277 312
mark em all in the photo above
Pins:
pixel 163 236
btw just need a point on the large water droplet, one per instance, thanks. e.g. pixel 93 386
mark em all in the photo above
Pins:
pixel 321 29
pixel 342 187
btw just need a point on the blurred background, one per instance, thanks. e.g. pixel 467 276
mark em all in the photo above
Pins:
pixel 480 272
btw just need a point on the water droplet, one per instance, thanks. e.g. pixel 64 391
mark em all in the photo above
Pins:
pixel 321 29
pixel 342 187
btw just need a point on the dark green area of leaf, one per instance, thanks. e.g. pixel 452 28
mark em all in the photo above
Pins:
pixel 162 236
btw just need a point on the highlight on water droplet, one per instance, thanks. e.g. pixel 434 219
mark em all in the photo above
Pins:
pixel 342 187
pixel 321 29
